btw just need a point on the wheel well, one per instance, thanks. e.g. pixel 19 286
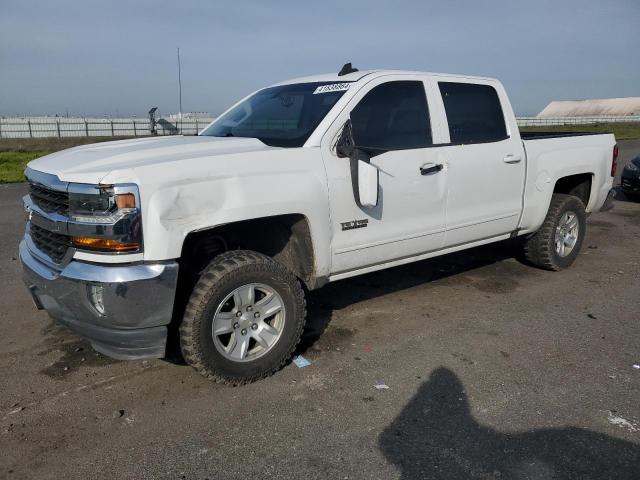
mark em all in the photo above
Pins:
pixel 285 238
pixel 577 185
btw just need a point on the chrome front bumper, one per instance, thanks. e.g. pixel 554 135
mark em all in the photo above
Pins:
pixel 124 311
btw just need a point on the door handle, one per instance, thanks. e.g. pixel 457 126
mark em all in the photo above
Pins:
pixel 511 158
pixel 429 168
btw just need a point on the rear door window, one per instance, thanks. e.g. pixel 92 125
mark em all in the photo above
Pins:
pixel 393 116
pixel 474 112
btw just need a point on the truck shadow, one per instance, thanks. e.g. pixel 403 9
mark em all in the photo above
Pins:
pixel 436 437
pixel 336 296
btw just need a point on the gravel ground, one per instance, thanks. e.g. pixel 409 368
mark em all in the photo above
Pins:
pixel 494 370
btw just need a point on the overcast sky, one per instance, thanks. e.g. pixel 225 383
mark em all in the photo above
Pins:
pixel 119 57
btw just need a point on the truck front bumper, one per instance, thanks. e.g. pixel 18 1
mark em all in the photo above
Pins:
pixel 124 311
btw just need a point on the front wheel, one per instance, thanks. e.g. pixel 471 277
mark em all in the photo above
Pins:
pixel 557 243
pixel 244 318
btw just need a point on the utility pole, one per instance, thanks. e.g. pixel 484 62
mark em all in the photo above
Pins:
pixel 180 90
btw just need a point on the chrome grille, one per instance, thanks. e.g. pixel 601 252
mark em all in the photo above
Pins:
pixel 52 244
pixel 51 201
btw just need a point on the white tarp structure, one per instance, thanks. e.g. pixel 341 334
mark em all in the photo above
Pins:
pixel 592 108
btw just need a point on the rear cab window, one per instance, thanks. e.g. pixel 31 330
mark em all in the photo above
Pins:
pixel 474 113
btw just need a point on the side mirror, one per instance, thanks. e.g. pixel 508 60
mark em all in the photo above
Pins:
pixel 345 144
pixel 364 176
pixel 367 184
pixel 364 179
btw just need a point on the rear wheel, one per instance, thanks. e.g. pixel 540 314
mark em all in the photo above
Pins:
pixel 244 318
pixel 557 243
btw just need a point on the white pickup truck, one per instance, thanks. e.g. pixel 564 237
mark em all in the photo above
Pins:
pixel 212 239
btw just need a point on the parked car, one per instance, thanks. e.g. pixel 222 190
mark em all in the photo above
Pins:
pixel 631 178
pixel 216 237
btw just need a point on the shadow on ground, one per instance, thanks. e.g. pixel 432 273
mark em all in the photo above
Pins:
pixel 435 437
pixel 336 296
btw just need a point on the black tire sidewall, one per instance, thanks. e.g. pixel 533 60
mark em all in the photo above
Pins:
pixel 574 205
pixel 244 275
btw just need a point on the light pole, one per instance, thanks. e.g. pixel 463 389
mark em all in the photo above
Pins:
pixel 180 90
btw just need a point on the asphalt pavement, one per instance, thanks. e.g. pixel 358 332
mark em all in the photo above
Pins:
pixel 494 370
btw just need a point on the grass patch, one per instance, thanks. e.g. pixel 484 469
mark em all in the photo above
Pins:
pixel 15 153
pixel 12 164
pixel 622 131
pixel 50 144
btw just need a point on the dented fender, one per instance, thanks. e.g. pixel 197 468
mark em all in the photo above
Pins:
pixel 205 193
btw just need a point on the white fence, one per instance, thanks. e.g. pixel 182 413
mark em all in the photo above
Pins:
pixel 548 121
pixel 40 127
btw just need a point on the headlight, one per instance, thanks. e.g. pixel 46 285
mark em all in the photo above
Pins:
pixel 105 219
pixel 632 167
pixel 100 205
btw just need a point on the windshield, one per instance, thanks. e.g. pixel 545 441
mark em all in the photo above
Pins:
pixel 283 116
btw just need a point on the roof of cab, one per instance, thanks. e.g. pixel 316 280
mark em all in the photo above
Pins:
pixel 355 76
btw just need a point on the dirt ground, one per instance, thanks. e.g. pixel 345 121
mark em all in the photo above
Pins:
pixel 494 370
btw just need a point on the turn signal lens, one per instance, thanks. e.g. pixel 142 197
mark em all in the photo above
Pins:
pixel 126 200
pixel 104 245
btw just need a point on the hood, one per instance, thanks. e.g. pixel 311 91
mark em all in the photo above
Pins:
pixel 92 163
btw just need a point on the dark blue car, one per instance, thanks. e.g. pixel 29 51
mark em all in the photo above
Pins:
pixel 631 178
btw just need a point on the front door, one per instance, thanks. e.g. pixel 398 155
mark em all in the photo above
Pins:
pixel 391 120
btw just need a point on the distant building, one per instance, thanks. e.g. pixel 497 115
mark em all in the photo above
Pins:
pixel 619 107
pixel 189 116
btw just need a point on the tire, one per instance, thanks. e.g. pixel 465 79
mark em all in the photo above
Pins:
pixel 213 296
pixel 540 249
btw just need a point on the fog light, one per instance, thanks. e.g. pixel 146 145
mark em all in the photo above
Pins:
pixel 96 297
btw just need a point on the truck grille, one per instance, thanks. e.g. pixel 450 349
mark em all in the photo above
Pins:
pixel 52 244
pixel 51 201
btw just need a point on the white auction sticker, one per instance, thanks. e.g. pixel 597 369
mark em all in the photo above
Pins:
pixel 333 87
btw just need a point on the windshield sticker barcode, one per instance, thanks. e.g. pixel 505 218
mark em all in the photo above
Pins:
pixel 334 87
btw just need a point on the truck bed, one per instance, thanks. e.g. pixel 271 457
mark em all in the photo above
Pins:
pixel 554 155
pixel 542 135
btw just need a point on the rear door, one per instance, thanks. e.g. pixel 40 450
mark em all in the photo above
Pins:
pixel 486 162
